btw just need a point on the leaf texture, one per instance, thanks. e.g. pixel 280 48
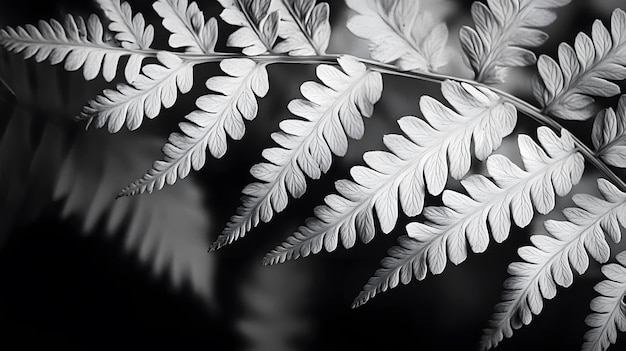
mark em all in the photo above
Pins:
pixel 259 29
pixel 504 30
pixel 78 43
pixel 609 134
pixel 566 89
pixel 330 113
pixel 553 257
pixel 609 310
pixel 128 104
pixel 218 115
pixel 400 32
pixel 465 221
pixel 132 32
pixel 187 26
pixel 432 148
pixel 305 30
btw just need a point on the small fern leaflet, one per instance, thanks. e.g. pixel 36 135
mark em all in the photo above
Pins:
pixel 467 220
pixel 218 115
pixel 156 86
pixel 416 163
pixel 609 310
pixel 306 31
pixel 330 114
pixel 259 30
pixel 609 134
pixel 400 32
pixel 550 260
pixel 186 23
pixel 77 43
pixel 566 89
pixel 504 29
pixel 132 32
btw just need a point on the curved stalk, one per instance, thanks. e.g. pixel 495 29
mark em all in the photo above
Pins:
pixel 521 105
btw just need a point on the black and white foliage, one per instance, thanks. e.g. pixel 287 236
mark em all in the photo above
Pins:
pixel 439 146
pixel 566 89
pixel 504 30
pixel 491 207
pixel 609 310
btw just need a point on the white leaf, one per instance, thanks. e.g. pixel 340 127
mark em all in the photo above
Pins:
pixel 609 311
pixel 187 25
pixel 415 163
pixel 218 115
pixel 259 30
pixel 504 28
pixel 463 219
pixel 77 43
pixel 566 89
pixel 609 134
pixel 550 260
pixel 131 30
pixel 329 112
pixel 400 32
pixel 305 28
pixel 128 104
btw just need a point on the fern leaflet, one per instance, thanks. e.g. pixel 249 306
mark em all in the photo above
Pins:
pixel 132 32
pixel 609 310
pixel 218 115
pixel 306 30
pixel 259 30
pixel 399 32
pixel 609 134
pixel 187 26
pixel 504 29
pixel 156 86
pixel 416 162
pixel 550 260
pixel 566 89
pixel 77 43
pixel 330 113
pixel 463 220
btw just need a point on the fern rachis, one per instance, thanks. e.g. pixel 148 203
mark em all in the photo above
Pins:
pixel 440 144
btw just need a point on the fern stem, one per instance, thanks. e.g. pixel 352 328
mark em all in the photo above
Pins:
pixel 521 105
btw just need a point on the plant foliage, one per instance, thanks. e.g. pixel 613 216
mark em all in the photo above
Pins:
pixel 450 140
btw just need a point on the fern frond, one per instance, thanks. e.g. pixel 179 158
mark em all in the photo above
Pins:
pixel 218 115
pixel 550 260
pixel 504 30
pixel 467 220
pixel 187 26
pixel 331 112
pixel 416 162
pixel 128 104
pixel 399 32
pixel 132 32
pixel 306 30
pixel 77 43
pixel 609 310
pixel 609 134
pixel 566 89
pixel 259 30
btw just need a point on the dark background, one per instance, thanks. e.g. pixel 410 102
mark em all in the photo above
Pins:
pixel 61 288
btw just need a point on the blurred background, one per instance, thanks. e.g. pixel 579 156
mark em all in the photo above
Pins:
pixel 82 271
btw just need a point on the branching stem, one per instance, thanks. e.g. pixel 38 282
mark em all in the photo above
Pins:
pixel 521 105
